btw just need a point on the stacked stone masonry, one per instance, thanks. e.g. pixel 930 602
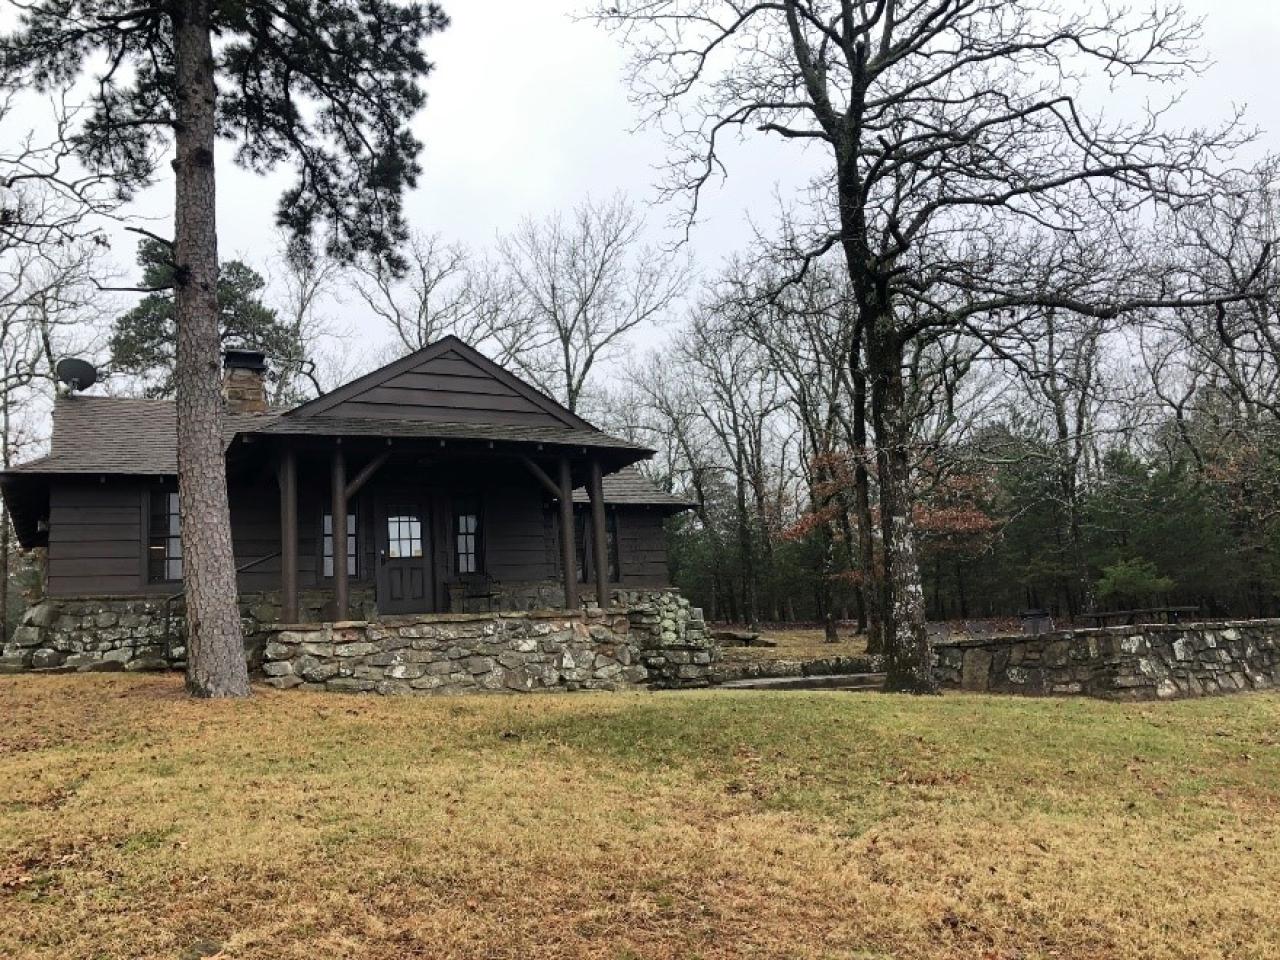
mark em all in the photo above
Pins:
pixel 1159 662
pixel 647 638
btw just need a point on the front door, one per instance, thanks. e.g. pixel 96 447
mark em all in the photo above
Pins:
pixel 404 556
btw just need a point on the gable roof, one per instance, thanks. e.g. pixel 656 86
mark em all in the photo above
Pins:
pixel 444 382
pixel 445 391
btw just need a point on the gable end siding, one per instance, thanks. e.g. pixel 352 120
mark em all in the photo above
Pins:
pixel 445 389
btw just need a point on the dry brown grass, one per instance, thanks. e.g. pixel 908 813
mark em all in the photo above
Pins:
pixel 801 643
pixel 134 823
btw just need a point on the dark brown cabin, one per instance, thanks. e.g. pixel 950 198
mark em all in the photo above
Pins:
pixel 460 488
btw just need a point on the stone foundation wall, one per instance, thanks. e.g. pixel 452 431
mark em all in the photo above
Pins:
pixel 651 638
pixel 1159 662
pixel 138 633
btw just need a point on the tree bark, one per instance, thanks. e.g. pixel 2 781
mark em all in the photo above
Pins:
pixel 215 646
pixel 909 649
pixel 746 549
pixel 871 588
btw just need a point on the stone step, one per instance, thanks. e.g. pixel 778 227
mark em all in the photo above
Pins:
pixel 840 681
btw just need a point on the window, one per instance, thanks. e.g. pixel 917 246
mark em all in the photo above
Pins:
pixel 404 533
pixel 352 550
pixel 164 541
pixel 468 557
pixel 582 529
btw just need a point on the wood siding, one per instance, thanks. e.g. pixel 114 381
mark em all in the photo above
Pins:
pixel 446 389
pixel 98 535
pixel 642 547
pixel 515 535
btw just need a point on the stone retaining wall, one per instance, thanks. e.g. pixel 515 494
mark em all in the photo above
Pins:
pixel 729 671
pixel 653 638
pixel 1158 662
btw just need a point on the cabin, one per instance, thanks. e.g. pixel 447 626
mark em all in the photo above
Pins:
pixel 440 483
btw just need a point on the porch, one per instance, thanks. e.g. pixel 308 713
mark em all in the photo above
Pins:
pixel 434 525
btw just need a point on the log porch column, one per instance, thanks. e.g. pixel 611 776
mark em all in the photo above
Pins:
pixel 289 536
pixel 600 543
pixel 338 511
pixel 568 556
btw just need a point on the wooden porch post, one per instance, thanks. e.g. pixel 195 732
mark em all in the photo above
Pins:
pixel 600 543
pixel 339 528
pixel 568 555
pixel 289 536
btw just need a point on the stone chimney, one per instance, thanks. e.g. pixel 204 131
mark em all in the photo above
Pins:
pixel 244 381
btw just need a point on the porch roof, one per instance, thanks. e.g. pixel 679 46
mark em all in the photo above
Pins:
pixel 122 436
pixel 323 426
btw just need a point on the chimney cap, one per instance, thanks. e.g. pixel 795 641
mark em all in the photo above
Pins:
pixel 243 358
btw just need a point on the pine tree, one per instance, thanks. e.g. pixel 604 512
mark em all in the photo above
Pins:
pixel 327 84
pixel 142 340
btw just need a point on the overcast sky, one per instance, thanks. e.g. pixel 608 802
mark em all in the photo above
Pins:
pixel 528 113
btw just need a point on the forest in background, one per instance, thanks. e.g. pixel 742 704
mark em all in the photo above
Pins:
pixel 1057 362
pixel 1068 464
pixel 1061 462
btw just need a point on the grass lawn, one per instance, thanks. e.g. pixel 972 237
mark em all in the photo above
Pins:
pixel 801 643
pixel 134 823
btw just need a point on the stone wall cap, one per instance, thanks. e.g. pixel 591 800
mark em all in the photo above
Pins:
pixel 414 619
pixel 1125 630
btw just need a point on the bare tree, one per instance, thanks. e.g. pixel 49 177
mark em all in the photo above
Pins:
pixel 950 129
pixel 580 285
pixel 47 310
pixel 47 198
pixel 666 413
pixel 1059 362
pixel 444 290
pixel 305 279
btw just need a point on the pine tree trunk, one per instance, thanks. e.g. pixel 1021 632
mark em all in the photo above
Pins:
pixel 909 649
pixel 215 645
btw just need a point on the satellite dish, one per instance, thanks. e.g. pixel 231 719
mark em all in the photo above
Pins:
pixel 76 374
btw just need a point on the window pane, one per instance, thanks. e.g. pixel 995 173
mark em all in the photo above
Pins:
pixel 467 540
pixel 404 534
pixel 164 543
pixel 326 545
